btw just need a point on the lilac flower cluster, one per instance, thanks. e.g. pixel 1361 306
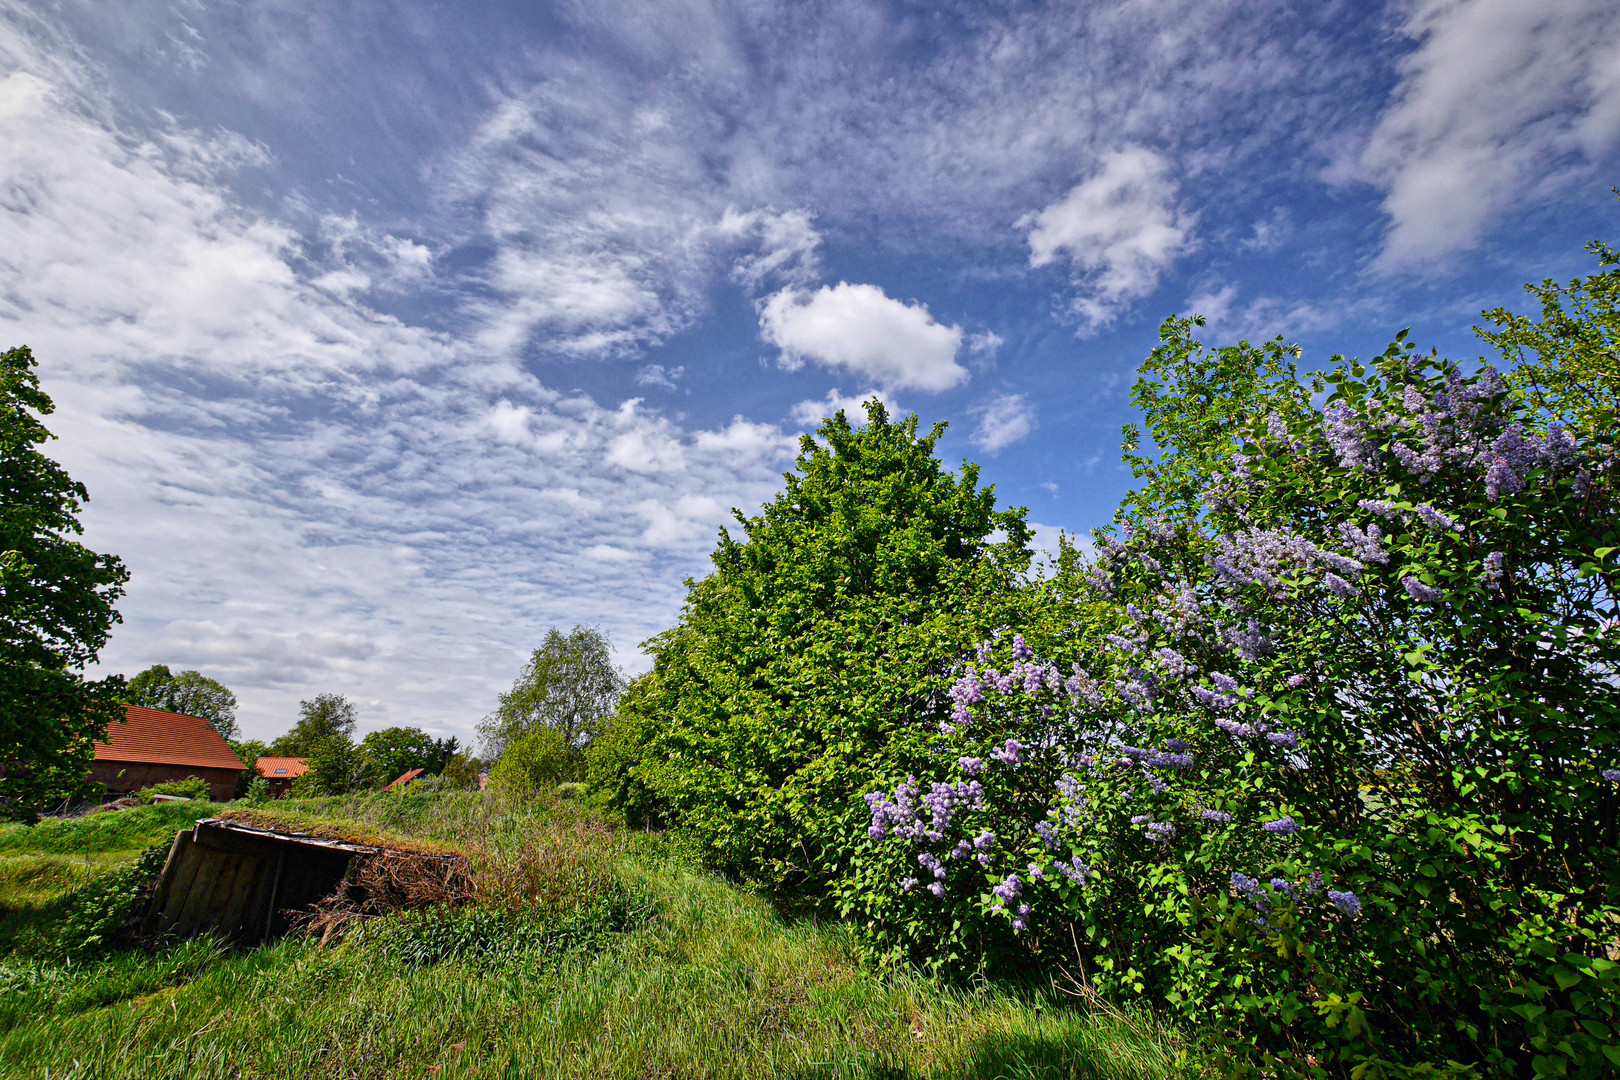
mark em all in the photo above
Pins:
pixel 1288 740
pixel 1010 889
pixel 1161 832
pixel 901 818
pixel 1259 556
pixel 1611 775
pixel 1226 695
pixel 1234 728
pixel 1282 826
pixel 1435 519
pixel 1010 754
pixel 1220 817
pixel 1075 870
pixel 1346 902
pixel 1423 594
pixel 1493 568
pixel 1366 545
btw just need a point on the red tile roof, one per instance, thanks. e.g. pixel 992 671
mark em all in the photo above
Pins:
pixel 404 778
pixel 283 767
pixel 155 737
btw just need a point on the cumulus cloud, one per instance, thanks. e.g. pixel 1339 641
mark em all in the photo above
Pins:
pixel 862 330
pixel 1498 97
pixel 1119 230
pixel 1002 421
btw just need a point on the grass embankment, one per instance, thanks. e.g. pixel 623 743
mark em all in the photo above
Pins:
pixel 589 953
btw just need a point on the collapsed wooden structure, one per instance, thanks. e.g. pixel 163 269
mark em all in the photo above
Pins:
pixel 249 884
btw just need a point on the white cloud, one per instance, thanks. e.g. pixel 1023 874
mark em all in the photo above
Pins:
pixel 658 375
pixel 310 495
pixel 1003 420
pixel 810 414
pixel 788 246
pixel 1497 97
pixel 1119 230
pixel 862 330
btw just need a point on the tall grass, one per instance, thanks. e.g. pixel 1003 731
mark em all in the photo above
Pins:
pixel 682 975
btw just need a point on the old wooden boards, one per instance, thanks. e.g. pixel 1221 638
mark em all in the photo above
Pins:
pixel 243 883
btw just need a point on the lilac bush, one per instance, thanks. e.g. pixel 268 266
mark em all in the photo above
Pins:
pixel 1314 749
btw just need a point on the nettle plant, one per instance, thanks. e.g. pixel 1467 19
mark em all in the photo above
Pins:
pixel 1327 761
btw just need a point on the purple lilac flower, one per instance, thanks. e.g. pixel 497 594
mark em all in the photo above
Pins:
pixel 1035 871
pixel 970 765
pixel 1161 832
pixel 984 841
pixel 1281 885
pixel 1435 519
pixel 1511 457
pixel 1423 594
pixel 1234 729
pixel 1244 885
pixel 1298 680
pixel 936 888
pixel 1611 775
pixel 1075 870
pixel 1010 754
pixel 1220 817
pixel 1020 650
pixel 1140 818
pixel 962 850
pixel 1282 826
pixel 1288 740
pixel 932 864
pixel 1493 567
pixel 1346 436
pixel 1346 902
pixel 1338 586
pixel 1047 834
pixel 907 884
pixel 1367 546
pixel 1383 508
pixel 983 859
pixel 1251 643
pixel 1010 889
pixel 1313 884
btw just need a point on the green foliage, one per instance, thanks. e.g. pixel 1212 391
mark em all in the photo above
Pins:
pixel 460 773
pixel 816 656
pixel 190 692
pixel 325 718
pixel 570 685
pixel 535 759
pixel 191 787
pixel 56 610
pixel 1334 767
pixel 248 752
pixel 105 913
pixel 397 750
pixel 336 767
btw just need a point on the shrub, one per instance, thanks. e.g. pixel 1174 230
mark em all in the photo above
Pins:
pixel 104 914
pixel 822 640
pixel 190 788
pixel 1331 766
pixel 537 758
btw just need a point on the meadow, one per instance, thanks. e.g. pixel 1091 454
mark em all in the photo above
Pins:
pixel 595 952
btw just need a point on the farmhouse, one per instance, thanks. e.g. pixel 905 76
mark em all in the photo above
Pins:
pixel 280 772
pixel 150 746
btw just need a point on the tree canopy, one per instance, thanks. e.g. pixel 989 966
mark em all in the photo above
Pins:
pixel 569 685
pixel 816 655
pixel 190 692
pixel 323 718
pixel 397 750
pixel 56 608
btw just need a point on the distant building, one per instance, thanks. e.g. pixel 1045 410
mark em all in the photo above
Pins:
pixel 150 746
pixel 405 779
pixel 280 772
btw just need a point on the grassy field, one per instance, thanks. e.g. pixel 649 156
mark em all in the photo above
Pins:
pixel 590 953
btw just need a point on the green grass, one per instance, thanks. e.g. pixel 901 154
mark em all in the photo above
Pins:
pixel 626 961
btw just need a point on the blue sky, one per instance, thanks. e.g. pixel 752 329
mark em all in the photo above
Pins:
pixel 387 335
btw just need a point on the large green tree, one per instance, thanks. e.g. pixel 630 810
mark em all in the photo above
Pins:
pixel 817 654
pixel 56 609
pixel 190 692
pixel 396 750
pixel 570 685
pixel 323 718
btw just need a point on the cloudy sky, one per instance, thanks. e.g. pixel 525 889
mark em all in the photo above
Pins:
pixel 386 335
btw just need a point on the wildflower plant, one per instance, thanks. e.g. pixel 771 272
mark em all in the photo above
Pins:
pixel 1324 755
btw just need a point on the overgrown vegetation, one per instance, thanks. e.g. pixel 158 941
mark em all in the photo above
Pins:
pixel 589 951
pixel 1318 749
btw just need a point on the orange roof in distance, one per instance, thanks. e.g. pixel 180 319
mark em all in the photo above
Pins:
pixel 155 737
pixel 284 767
pixel 404 778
